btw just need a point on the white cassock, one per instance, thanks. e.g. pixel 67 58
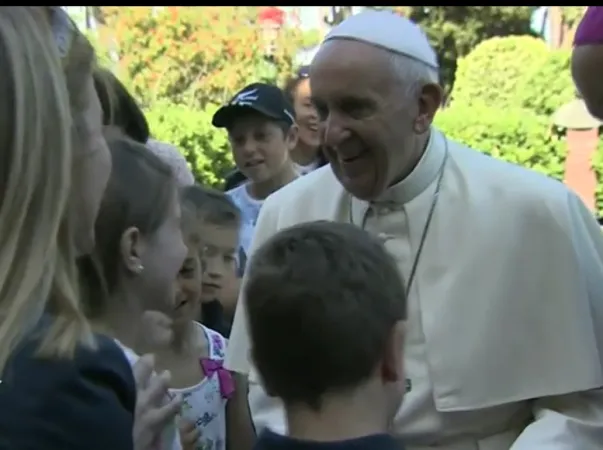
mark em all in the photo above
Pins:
pixel 505 315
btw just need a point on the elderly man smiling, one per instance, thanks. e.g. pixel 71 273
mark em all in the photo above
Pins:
pixel 503 266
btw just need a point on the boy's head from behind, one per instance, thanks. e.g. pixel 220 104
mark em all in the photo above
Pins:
pixel 326 306
pixel 139 248
pixel 261 128
pixel 216 234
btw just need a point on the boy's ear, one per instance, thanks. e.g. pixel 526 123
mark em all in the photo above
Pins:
pixel 392 368
pixel 292 137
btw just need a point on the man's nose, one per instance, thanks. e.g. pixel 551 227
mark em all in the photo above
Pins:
pixel 334 132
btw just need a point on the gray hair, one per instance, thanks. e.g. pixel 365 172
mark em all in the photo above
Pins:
pixel 170 155
pixel 412 73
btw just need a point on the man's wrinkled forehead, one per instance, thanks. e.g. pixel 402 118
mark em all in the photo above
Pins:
pixel 331 51
pixel 346 66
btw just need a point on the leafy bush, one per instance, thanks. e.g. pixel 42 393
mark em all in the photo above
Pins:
pixel 454 31
pixel 194 55
pixel 493 71
pixel 548 86
pixel 205 148
pixel 515 135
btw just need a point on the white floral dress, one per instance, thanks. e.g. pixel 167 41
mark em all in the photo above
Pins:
pixel 205 403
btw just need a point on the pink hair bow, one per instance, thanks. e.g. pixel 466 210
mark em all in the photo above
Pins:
pixel 211 366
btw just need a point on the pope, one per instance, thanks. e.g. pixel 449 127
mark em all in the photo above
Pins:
pixel 503 266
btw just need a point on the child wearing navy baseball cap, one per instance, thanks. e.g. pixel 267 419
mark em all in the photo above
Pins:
pixel 260 122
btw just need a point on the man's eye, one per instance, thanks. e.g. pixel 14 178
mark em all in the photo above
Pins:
pixel 323 111
pixel 354 108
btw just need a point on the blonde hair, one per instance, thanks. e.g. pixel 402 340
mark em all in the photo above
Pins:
pixel 37 256
pixel 79 66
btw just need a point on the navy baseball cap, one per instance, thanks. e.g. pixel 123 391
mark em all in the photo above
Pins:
pixel 303 72
pixel 266 99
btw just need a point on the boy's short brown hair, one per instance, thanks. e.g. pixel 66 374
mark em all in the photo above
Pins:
pixel 322 301
pixel 212 206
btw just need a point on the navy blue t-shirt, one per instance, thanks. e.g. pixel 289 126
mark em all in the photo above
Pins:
pixel 86 403
pixel 272 441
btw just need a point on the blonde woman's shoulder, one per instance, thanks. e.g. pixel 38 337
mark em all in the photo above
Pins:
pixel 71 397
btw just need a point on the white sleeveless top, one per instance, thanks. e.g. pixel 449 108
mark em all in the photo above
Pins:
pixel 203 404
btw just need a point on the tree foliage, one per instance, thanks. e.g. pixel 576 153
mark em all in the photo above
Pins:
pixel 193 55
pixel 182 62
pixel 546 87
pixel 205 148
pixel 455 30
pixel 492 72
pixel 515 72
pixel 572 14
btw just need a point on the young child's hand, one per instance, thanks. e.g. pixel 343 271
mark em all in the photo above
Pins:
pixel 152 413
pixel 189 434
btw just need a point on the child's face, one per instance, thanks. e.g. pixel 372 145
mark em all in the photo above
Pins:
pixel 306 115
pixel 188 291
pixel 259 146
pixel 156 260
pixel 218 258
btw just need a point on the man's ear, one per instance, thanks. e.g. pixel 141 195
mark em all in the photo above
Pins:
pixel 430 100
pixel 131 247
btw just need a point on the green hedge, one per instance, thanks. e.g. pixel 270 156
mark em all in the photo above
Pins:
pixel 206 148
pixel 495 69
pixel 514 135
pixel 549 86
pixel 505 93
